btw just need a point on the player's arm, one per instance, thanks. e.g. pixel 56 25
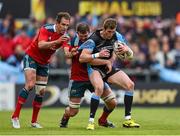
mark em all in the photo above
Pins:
pixel 87 49
pixel 113 58
pixel 87 56
pixel 47 45
pixel 42 44
pixel 70 51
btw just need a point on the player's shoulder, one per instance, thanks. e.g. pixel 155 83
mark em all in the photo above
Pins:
pixel 120 37
pixel 75 40
pixel 95 35
pixel 118 34
pixel 49 27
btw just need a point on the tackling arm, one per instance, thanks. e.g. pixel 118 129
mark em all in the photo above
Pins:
pixel 85 56
pixel 47 45
pixel 53 45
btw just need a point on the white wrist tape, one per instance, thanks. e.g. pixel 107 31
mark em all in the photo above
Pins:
pixel 96 55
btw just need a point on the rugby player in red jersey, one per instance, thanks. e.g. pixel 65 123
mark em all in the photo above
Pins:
pixel 36 64
pixel 79 81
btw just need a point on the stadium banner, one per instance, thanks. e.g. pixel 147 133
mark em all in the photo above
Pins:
pixel 141 8
pixel 146 94
pixel 7 96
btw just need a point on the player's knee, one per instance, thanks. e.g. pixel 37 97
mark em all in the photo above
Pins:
pixel 114 102
pixel 99 90
pixel 130 85
pixel 40 87
pixel 42 92
pixel 30 85
pixel 73 112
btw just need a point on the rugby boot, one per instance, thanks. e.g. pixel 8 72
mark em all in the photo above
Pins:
pixel 90 126
pixel 130 124
pixel 106 124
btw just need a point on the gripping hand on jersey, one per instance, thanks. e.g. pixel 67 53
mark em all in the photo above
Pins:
pixel 63 38
pixel 104 53
pixel 74 51
pixel 59 42
pixel 109 66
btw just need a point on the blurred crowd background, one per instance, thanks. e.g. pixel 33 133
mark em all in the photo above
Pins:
pixel 154 41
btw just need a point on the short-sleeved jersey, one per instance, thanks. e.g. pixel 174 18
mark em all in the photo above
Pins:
pixel 96 43
pixel 78 70
pixel 46 33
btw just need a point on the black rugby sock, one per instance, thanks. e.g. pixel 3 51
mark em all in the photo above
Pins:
pixel 94 105
pixel 128 99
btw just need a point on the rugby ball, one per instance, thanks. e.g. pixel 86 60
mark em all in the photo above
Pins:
pixel 116 46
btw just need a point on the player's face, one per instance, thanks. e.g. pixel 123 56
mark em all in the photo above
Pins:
pixel 108 33
pixel 63 26
pixel 83 36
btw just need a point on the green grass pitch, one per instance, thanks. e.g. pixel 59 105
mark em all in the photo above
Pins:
pixel 154 121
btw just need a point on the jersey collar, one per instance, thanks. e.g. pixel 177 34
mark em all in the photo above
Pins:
pixel 54 27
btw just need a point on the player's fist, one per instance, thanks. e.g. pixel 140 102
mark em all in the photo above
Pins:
pixel 104 53
pixel 63 38
pixel 74 51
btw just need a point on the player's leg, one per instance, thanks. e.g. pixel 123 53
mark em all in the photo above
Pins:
pixel 77 89
pixel 41 83
pixel 110 103
pixel 70 111
pixel 30 77
pixel 98 85
pixel 122 80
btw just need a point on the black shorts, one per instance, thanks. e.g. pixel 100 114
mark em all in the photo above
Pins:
pixel 104 74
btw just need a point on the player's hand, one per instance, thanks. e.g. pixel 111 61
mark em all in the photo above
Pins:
pixel 63 38
pixel 123 49
pixel 104 53
pixel 109 66
pixel 54 47
pixel 74 51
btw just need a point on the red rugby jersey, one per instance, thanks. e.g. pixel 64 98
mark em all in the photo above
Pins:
pixel 78 70
pixel 46 33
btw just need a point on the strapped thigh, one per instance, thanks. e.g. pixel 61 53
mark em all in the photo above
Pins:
pixel 109 97
pixel 74 105
pixel 40 85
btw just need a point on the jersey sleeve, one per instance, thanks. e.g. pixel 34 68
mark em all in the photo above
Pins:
pixel 89 44
pixel 121 38
pixel 43 34
pixel 75 40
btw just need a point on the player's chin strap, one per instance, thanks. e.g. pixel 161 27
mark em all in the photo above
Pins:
pixel 74 105
pixel 109 97
pixel 40 86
